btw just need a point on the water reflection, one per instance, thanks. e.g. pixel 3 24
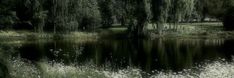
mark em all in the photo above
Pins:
pixel 148 55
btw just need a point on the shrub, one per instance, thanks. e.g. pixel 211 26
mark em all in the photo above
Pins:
pixel 228 20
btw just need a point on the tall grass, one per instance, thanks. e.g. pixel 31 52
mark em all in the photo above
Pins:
pixel 18 68
pixel 21 69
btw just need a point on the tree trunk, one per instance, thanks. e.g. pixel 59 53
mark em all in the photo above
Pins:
pixel 160 28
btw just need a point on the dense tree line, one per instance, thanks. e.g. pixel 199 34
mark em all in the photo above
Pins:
pixel 61 16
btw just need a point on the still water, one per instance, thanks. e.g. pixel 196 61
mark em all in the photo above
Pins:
pixel 121 58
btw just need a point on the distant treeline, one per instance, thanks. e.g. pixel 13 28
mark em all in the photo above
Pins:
pixel 61 16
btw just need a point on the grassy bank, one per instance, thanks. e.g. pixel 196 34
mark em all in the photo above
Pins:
pixel 184 30
pixel 27 35
pixel 193 30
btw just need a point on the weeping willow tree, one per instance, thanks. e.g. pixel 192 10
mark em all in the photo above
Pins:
pixel 106 8
pixel 183 8
pixel 89 15
pixel 119 10
pixel 180 10
pixel 189 9
pixel 160 10
pixel 58 15
pixel 170 12
pixel 71 15
pixel 138 15
pixel 39 16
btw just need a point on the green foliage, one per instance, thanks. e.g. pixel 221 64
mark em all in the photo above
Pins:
pixel 31 11
pixel 160 11
pixel 140 16
pixel 7 20
pixel 119 10
pixel 171 11
pixel 213 8
pixel 229 19
pixel 106 8
pixel 72 15
pixel 7 15
pixel 88 14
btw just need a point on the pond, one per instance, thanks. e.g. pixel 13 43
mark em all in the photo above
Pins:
pixel 121 58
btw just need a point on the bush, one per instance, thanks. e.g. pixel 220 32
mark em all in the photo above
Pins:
pixel 228 20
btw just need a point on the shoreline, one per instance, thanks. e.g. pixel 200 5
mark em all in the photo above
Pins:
pixel 89 36
pixel 185 30
pixel 27 35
